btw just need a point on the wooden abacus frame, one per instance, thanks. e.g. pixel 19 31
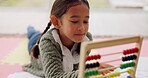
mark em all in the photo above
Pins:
pixel 86 46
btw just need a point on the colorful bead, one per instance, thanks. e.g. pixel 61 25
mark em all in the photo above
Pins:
pixel 136 49
pixel 93 57
pixel 127 58
pixel 91 73
pixel 99 76
pixel 92 65
pixel 131 64
pixel 114 74
pixel 129 77
pixel 129 71
pixel 130 51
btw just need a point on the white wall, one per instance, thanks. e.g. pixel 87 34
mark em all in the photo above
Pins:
pixel 103 22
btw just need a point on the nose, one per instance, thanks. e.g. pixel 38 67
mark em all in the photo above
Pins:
pixel 81 27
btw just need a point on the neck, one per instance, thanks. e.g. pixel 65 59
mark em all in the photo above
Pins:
pixel 66 42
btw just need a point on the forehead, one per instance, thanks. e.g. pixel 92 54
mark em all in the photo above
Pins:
pixel 78 10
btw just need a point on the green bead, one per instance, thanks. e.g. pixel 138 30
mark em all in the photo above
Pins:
pixel 121 66
pixel 86 73
pixel 129 64
pixel 125 66
pixel 96 72
pixel 133 64
pixel 91 73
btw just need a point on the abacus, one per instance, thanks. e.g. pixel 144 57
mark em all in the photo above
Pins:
pixel 131 55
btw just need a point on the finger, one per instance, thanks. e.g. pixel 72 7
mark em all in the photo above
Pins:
pixel 107 66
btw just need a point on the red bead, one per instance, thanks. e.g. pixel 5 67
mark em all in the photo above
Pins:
pixel 99 56
pixel 87 58
pixel 124 52
pixel 91 57
pixel 131 51
pixel 128 51
pixel 136 49
pixel 95 56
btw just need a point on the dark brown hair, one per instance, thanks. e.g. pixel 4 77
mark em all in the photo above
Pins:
pixel 59 8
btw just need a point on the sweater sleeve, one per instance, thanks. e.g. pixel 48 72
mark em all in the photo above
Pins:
pixel 52 61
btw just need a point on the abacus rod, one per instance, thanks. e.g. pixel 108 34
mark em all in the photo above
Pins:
pixel 109 68
pixel 116 60
pixel 123 71
pixel 112 60
pixel 111 53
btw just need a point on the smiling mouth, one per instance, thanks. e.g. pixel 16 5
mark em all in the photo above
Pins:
pixel 79 34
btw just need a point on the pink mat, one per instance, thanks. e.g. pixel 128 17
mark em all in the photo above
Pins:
pixel 8 69
pixel 8 44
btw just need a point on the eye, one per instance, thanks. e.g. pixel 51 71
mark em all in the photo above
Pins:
pixel 85 22
pixel 74 21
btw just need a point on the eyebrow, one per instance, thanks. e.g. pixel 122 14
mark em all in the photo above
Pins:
pixel 75 16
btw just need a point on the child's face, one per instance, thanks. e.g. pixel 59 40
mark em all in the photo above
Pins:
pixel 74 24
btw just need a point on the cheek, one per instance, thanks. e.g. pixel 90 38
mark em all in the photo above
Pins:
pixel 71 28
pixel 86 28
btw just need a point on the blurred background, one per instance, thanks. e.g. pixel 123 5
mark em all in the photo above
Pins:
pixel 108 17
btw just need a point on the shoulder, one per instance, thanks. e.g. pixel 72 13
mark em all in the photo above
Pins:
pixel 48 43
pixel 48 38
pixel 48 35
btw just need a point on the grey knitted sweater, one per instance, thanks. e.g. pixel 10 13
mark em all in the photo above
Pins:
pixel 49 64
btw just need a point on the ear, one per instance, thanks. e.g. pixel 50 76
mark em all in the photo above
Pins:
pixel 55 21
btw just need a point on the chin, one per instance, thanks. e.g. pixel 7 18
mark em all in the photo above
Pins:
pixel 78 41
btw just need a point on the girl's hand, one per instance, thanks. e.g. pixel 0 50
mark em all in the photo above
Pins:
pixel 103 66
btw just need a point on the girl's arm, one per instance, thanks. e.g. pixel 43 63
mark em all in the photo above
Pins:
pixel 52 61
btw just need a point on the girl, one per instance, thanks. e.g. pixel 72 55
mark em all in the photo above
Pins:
pixel 56 53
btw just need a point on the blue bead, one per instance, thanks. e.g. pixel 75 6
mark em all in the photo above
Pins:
pixel 129 77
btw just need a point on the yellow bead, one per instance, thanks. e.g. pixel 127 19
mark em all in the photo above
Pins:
pixel 97 76
pixel 117 74
pixel 113 74
pixel 109 75
pixel 129 71
pixel 100 76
